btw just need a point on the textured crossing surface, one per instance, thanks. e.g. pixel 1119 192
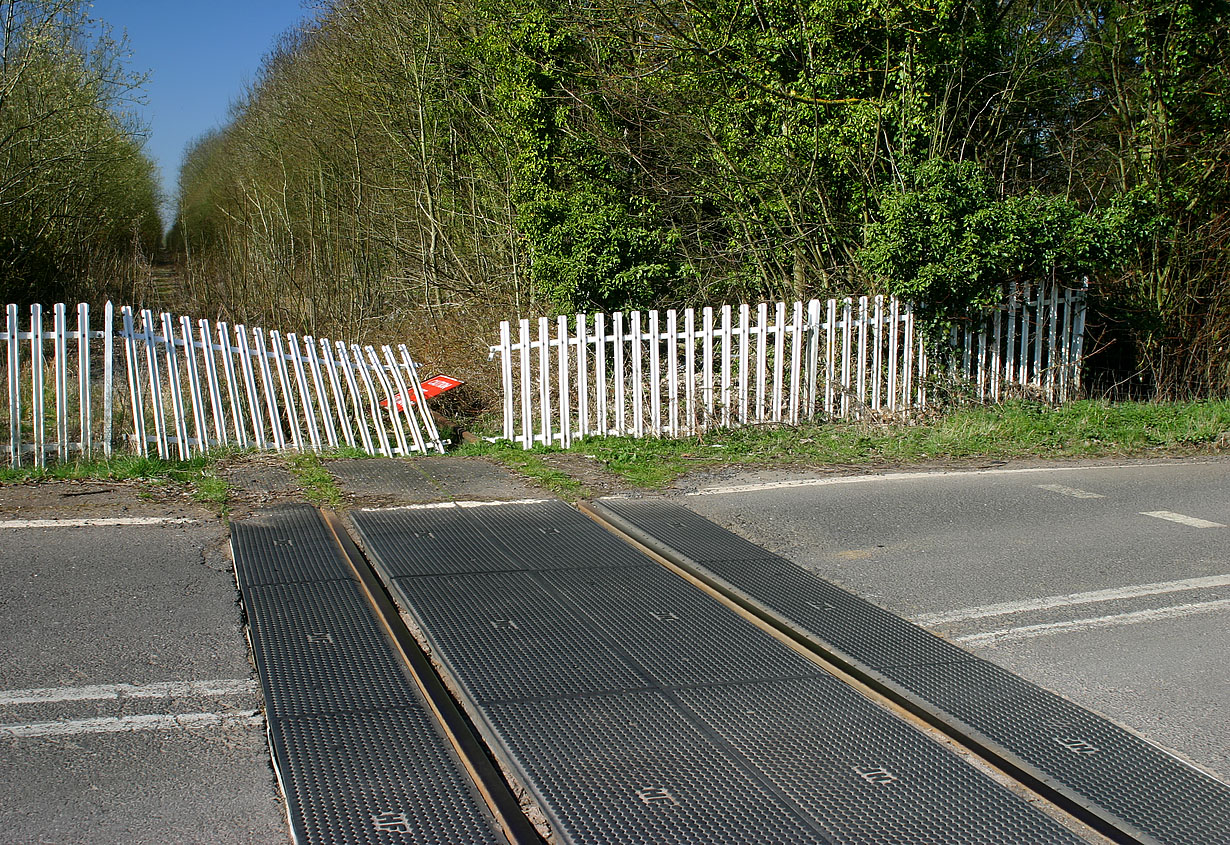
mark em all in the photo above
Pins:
pixel 357 756
pixel 866 633
pixel 551 535
pixel 286 546
pixel 636 708
pixel 505 638
pixel 633 768
pixel 1121 777
pixel 659 620
pixel 1170 800
pixel 313 640
pixel 435 541
pixel 873 782
pixel 361 777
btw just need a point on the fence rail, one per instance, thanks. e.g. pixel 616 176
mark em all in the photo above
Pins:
pixel 189 386
pixel 683 372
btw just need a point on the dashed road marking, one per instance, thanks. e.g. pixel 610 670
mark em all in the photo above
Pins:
pixel 1074 492
pixel 128 724
pixel 1182 519
pixel 910 476
pixel 115 692
pixel 95 522
pixel 1089 597
pixel 1030 631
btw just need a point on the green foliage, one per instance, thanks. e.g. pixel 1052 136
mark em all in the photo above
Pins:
pixel 1016 430
pixel 591 243
pixel 951 242
pixel 78 196
pixel 588 252
pixel 409 161
pixel 317 482
pixel 1165 68
pixel 119 468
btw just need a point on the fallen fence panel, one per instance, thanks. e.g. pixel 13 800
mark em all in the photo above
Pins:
pixel 177 399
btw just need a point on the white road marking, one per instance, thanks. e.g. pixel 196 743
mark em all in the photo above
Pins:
pixel 115 692
pixel 1136 617
pixel 126 724
pixel 911 476
pixel 95 522
pixel 1090 597
pixel 439 505
pixel 1182 519
pixel 1070 491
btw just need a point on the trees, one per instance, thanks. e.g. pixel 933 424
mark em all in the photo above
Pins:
pixel 948 241
pixel 403 157
pixel 78 197
pixel 1161 70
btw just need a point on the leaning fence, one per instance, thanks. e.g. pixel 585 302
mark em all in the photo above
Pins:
pixel 684 372
pixel 177 387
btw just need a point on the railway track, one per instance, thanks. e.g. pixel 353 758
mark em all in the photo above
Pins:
pixel 635 673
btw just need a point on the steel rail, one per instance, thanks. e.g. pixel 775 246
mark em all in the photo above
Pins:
pixel 453 723
pixel 938 724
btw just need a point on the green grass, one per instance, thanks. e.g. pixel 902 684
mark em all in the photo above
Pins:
pixel 212 490
pixel 199 473
pixel 116 468
pixel 529 465
pixel 318 485
pixel 1017 430
pixel 1089 429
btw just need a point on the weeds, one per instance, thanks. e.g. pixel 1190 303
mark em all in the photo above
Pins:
pixel 115 468
pixel 530 465
pixel 318 485
pixel 212 490
pixel 1018 429
pixel 199 473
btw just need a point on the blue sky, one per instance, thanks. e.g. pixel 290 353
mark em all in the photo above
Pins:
pixel 200 55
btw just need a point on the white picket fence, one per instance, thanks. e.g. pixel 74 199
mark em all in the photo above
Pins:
pixel 194 385
pixel 682 373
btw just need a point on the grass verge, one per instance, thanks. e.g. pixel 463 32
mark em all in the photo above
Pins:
pixel 318 485
pixel 198 473
pixel 1017 430
pixel 529 465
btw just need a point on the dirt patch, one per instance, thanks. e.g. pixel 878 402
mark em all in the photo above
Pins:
pixel 258 480
pixel 95 499
pixel 590 472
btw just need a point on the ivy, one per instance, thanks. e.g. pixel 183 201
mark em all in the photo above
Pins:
pixel 591 242
pixel 950 242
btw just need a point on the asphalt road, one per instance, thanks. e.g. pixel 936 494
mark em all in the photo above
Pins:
pixel 129 712
pixel 1109 584
pixel 128 709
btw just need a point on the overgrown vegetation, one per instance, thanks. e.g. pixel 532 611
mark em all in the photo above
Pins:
pixel 318 484
pixel 441 165
pixel 1017 430
pixel 78 196
pixel 199 474
pixel 1090 429
pixel 529 465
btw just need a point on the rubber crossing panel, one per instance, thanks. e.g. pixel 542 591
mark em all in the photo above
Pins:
pixel 356 752
pixel 1115 774
pixel 636 708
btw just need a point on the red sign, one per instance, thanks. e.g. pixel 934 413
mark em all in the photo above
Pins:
pixel 431 387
